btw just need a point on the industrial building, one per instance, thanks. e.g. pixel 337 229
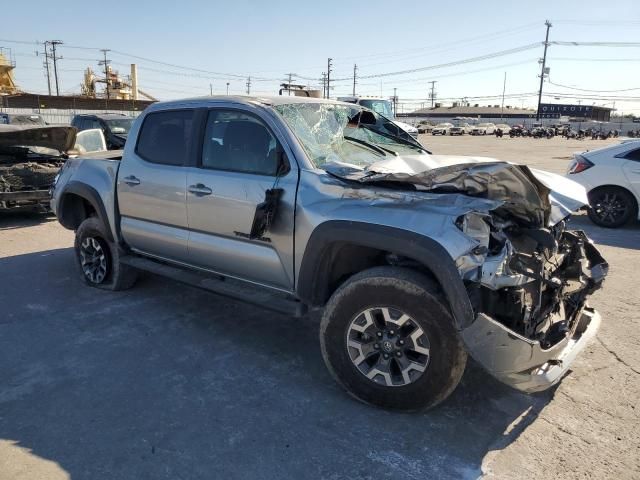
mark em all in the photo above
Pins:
pixel 497 113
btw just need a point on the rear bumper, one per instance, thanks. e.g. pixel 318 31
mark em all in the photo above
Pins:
pixel 522 363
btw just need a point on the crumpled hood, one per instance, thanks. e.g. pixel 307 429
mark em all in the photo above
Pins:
pixel 60 138
pixel 537 198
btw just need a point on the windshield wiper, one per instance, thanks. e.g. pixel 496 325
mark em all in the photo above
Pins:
pixel 376 148
pixel 396 138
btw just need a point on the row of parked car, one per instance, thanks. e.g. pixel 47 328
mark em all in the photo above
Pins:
pixel 464 129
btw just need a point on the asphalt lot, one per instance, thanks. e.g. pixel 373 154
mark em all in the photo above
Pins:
pixel 165 381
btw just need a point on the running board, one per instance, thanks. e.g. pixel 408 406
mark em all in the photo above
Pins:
pixel 220 285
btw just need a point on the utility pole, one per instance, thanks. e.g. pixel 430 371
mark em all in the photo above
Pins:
pixel 433 93
pixel 248 85
pixel 211 89
pixel 55 59
pixel 504 86
pixel 355 69
pixel 46 64
pixel 289 80
pixel 395 103
pixel 542 71
pixel 324 84
pixel 106 63
pixel 329 77
pixel 227 88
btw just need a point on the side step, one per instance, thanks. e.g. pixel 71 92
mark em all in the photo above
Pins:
pixel 220 285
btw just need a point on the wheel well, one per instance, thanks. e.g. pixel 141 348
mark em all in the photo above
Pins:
pixel 74 209
pixel 615 187
pixel 341 261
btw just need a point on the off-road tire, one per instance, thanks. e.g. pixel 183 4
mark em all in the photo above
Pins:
pixel 618 197
pixel 118 276
pixel 420 298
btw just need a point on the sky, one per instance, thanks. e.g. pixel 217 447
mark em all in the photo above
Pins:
pixel 187 48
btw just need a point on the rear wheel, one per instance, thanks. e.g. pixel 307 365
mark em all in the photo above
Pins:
pixel 388 338
pixel 99 259
pixel 611 207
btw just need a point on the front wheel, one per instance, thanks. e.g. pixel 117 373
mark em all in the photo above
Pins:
pixel 388 338
pixel 99 259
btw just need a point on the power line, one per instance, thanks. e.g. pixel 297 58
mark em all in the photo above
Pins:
pixel 488 56
pixel 590 90
pixel 596 44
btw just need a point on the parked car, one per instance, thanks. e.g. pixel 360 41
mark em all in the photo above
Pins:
pixel 384 107
pixel 500 278
pixel 504 128
pixel 114 126
pixel 611 176
pixel 483 129
pixel 22 119
pixel 424 127
pixel 441 129
pixel 30 159
pixel 460 129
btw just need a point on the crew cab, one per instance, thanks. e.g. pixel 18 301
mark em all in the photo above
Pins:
pixel 416 260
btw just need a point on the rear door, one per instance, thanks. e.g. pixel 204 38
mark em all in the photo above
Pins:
pixel 238 164
pixel 152 185
pixel 631 169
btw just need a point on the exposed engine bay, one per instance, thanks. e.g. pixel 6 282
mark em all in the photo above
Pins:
pixel 536 281
pixel 527 271
pixel 30 159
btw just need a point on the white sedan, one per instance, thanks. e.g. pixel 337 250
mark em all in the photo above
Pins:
pixel 611 176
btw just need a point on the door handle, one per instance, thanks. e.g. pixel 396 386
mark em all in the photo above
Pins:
pixel 200 190
pixel 131 180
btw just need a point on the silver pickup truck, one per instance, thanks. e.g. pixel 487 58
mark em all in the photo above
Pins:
pixel 416 259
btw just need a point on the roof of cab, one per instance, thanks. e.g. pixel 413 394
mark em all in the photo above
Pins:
pixel 241 99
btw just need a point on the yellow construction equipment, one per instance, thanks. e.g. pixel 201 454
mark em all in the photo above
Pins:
pixel 7 83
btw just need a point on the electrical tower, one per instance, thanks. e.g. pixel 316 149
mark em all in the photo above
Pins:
pixel 432 94
pixel 544 71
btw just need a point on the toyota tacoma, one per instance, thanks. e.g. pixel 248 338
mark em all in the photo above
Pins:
pixel 416 260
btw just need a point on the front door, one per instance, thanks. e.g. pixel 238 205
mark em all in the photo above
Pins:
pixel 239 163
pixel 152 185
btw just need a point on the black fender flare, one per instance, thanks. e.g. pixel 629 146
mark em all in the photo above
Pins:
pixel 314 269
pixel 92 196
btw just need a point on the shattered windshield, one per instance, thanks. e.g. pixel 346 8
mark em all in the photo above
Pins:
pixel 345 134
pixel 121 125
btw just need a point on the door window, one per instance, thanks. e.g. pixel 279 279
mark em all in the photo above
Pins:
pixel 165 137
pixel 633 155
pixel 239 142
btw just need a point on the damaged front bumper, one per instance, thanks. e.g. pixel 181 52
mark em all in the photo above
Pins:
pixel 523 363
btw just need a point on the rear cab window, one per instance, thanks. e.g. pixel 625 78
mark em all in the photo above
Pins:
pixel 165 137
